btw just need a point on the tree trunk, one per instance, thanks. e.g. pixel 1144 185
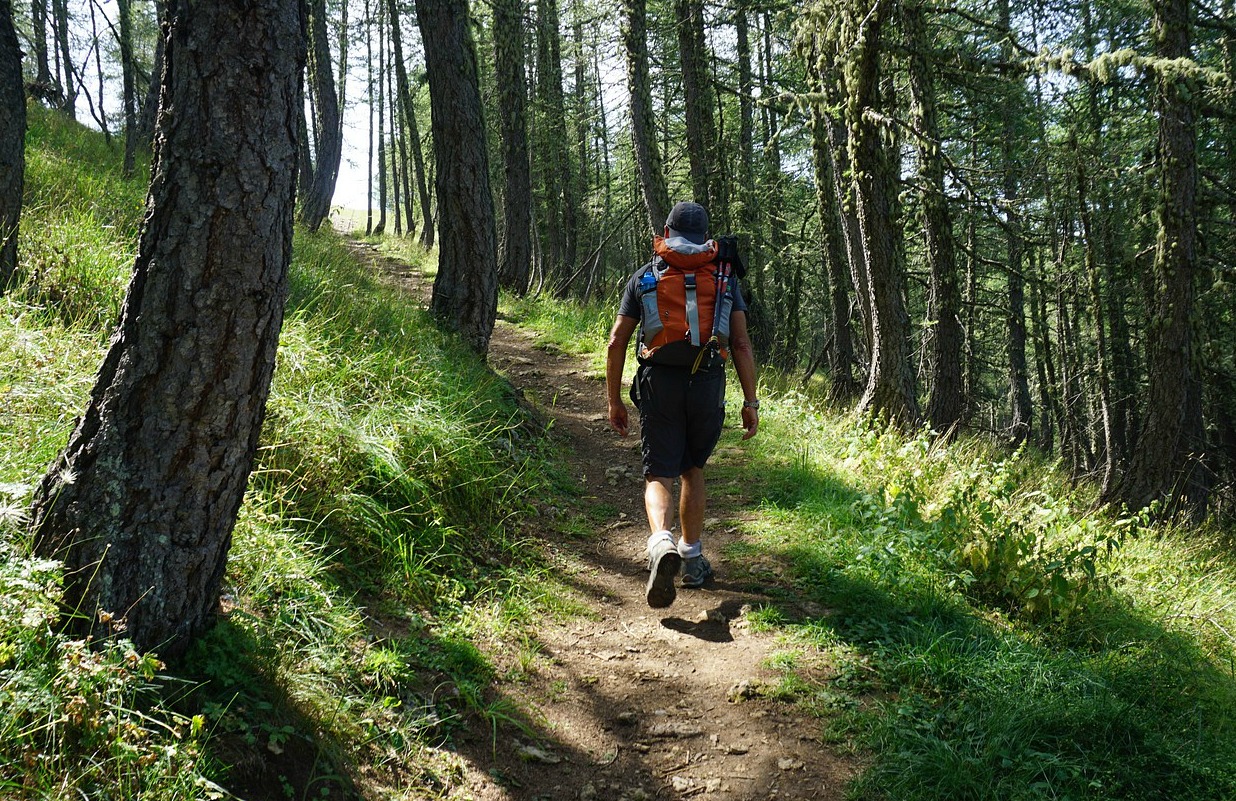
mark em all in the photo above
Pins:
pixel 68 79
pixel 44 87
pixel 1110 451
pixel 141 504
pixel 380 227
pixel 128 68
pixel 696 88
pixel 370 93
pixel 515 251
pixel 1167 461
pixel 406 106
pixel 842 386
pixel 890 385
pixel 945 403
pixel 551 153
pixel 150 102
pixel 328 145
pixel 643 123
pixel 1022 423
pixel 12 143
pixel 465 293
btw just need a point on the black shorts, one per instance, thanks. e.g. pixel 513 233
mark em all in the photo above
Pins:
pixel 680 416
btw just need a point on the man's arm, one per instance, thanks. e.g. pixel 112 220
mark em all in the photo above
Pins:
pixel 744 365
pixel 615 361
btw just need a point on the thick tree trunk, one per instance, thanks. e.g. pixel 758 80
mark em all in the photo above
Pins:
pixel 1167 460
pixel 12 143
pixel 643 122
pixel 140 505
pixel 465 293
pixel 328 145
pixel 515 252
pixel 945 404
pixel 890 388
pixel 369 91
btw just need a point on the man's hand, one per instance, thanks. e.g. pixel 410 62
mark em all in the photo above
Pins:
pixel 750 422
pixel 618 419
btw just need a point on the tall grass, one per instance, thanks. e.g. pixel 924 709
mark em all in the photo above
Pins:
pixel 380 540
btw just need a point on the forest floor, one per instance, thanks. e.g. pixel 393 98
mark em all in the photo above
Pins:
pixel 627 702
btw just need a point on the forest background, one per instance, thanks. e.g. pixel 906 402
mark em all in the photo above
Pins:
pixel 996 219
pixel 1008 218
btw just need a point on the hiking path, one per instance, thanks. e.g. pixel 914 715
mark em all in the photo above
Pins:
pixel 628 702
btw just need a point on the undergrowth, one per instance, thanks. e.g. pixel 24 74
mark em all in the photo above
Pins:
pixel 377 569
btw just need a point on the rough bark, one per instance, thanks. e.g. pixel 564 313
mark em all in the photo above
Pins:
pixel 141 504
pixel 12 143
pixel 150 101
pixel 890 388
pixel 643 122
pixel 1167 461
pixel 465 292
pixel 515 250
pixel 945 403
pixel 327 142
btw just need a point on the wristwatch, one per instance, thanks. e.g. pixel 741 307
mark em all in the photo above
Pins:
pixel 755 404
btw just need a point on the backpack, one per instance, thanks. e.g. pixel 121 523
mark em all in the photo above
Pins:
pixel 685 305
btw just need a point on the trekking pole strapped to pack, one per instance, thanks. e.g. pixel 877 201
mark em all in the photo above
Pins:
pixel 683 316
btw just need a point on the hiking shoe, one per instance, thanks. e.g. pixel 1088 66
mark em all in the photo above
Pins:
pixel 695 571
pixel 663 564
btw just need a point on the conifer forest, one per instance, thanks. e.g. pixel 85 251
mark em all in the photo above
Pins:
pixel 1001 217
pixel 303 307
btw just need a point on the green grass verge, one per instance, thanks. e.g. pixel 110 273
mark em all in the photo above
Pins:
pixel 379 579
pixel 958 618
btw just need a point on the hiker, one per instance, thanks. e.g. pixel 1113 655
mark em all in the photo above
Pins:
pixel 691 315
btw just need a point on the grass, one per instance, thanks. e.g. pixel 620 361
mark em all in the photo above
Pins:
pixel 378 568
pixel 961 619
pixel 955 615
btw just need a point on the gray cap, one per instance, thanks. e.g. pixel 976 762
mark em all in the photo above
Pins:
pixel 688 220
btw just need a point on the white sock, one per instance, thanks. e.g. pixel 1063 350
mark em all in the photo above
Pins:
pixel 690 551
pixel 660 536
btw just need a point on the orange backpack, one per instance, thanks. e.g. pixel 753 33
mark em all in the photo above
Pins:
pixel 679 298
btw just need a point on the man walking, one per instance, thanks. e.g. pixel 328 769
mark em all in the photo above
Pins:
pixel 691 315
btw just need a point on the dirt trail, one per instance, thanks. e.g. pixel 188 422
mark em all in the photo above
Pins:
pixel 637 703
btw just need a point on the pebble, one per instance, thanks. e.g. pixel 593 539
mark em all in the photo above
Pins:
pixel 675 730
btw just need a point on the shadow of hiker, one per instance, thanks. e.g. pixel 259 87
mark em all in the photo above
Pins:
pixel 715 625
